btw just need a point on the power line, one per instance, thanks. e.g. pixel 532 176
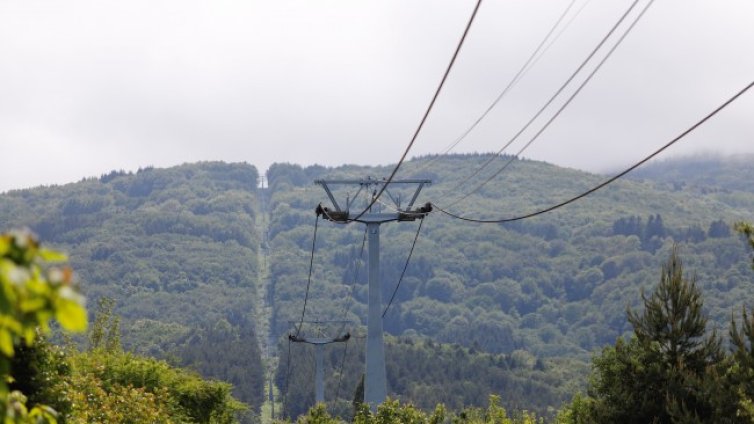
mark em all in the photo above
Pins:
pixel 610 180
pixel 411 252
pixel 560 110
pixel 516 78
pixel 426 114
pixel 565 27
pixel 309 280
pixel 552 98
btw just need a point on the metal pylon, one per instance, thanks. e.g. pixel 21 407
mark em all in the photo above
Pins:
pixel 375 381
pixel 319 373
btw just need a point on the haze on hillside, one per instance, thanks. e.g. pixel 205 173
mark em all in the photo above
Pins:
pixel 90 87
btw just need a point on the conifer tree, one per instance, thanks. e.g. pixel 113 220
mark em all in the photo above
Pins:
pixel 740 378
pixel 667 371
pixel 747 230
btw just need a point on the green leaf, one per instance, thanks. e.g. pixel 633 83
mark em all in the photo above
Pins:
pixel 52 255
pixel 33 304
pixel 6 342
pixel 71 315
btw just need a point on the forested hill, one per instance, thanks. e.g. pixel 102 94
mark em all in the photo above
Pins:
pixel 555 286
pixel 702 173
pixel 179 250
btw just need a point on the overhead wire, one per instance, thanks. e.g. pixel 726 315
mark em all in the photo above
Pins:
pixel 516 78
pixel 558 112
pixel 562 30
pixel 551 99
pixel 403 273
pixel 611 179
pixel 426 113
pixel 309 279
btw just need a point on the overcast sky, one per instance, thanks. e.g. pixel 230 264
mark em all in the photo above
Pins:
pixel 91 86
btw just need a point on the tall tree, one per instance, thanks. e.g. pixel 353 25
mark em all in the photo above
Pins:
pixel 740 379
pixel 665 372
pixel 747 230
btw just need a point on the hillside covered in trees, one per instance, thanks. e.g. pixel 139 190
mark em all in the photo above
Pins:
pixel 509 309
pixel 177 250
pixel 552 287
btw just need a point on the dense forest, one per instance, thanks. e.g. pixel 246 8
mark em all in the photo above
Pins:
pixel 176 249
pixel 555 287
pixel 517 310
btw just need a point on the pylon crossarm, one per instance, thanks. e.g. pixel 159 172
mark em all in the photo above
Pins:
pixel 319 340
pixel 355 196
pixel 372 181
pixel 396 202
pixel 329 194
pixel 416 194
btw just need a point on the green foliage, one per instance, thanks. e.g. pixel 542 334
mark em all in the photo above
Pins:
pixel 393 412
pixel 519 282
pixel 579 411
pixel 114 378
pixel 555 286
pixel 104 385
pixel 704 174
pixel 747 230
pixel 658 375
pixel 31 296
pixel 673 322
pixel 672 370
pixel 42 373
pixel 95 400
pixel 740 376
pixel 426 374
pixel 104 333
pixel 176 250
pixel 228 353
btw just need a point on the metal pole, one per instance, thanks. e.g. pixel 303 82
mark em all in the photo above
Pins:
pixel 319 368
pixel 319 374
pixel 272 400
pixel 375 383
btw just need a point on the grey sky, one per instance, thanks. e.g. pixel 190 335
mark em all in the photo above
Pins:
pixel 90 86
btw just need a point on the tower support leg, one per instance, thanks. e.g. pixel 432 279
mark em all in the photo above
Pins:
pixel 375 383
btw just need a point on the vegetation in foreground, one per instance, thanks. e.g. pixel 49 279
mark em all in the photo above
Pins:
pixel 674 368
pixel 42 383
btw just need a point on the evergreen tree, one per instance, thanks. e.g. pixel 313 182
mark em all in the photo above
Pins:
pixel 747 230
pixel 673 320
pixel 667 371
pixel 695 234
pixel 718 229
pixel 655 227
pixel 739 380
